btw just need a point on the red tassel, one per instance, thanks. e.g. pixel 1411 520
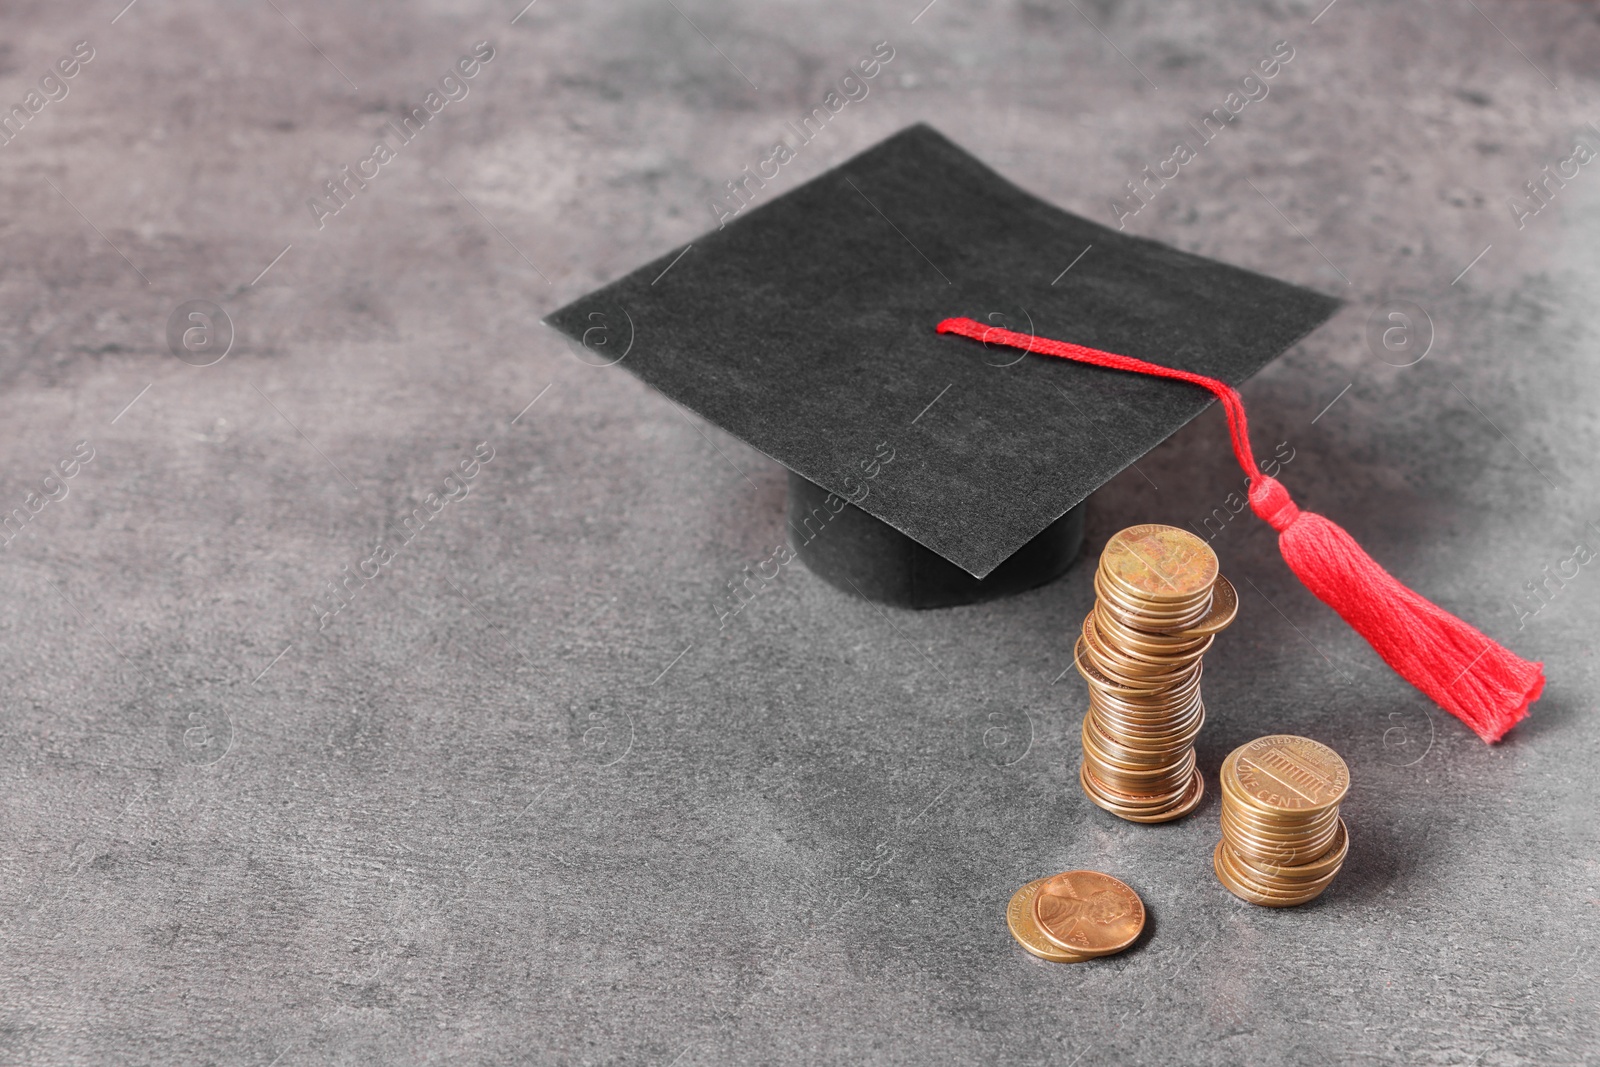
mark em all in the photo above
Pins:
pixel 1480 682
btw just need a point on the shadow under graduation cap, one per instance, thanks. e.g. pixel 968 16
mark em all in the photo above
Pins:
pixel 805 328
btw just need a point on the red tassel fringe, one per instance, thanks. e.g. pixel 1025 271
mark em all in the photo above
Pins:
pixel 1480 682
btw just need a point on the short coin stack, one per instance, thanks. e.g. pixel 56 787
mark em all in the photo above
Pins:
pixel 1075 916
pixel 1282 838
pixel 1159 604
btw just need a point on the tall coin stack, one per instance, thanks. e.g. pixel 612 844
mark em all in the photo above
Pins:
pixel 1159 604
pixel 1282 838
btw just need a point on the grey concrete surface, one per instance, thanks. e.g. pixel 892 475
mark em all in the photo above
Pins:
pixel 523 800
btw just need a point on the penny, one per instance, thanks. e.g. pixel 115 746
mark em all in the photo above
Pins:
pixel 1147 618
pixel 1089 913
pixel 1025 928
pixel 1309 870
pixel 1266 852
pixel 1321 834
pixel 1134 809
pixel 1279 893
pixel 1186 803
pixel 1097 678
pixel 1140 632
pixel 1161 563
pixel 1142 733
pixel 1140 727
pixel 1114 662
pixel 1224 609
pixel 1245 891
pixel 1150 795
pixel 1150 761
pixel 1240 816
pixel 1152 647
pixel 1284 773
pixel 1119 673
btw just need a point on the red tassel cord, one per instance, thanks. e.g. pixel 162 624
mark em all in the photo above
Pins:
pixel 1480 682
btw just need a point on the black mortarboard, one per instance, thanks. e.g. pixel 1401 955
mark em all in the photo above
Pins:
pixel 806 328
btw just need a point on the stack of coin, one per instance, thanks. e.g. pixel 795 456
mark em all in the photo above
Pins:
pixel 1160 602
pixel 1075 916
pixel 1282 838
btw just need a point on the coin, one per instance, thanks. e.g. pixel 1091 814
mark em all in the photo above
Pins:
pixel 1187 802
pixel 1263 852
pixel 1143 795
pixel 1161 563
pixel 1089 913
pixel 1148 614
pixel 1326 864
pixel 1124 670
pixel 1025 928
pixel 1284 773
pixel 1279 833
pixel 1097 678
pixel 1226 874
pixel 1272 892
pixel 1224 609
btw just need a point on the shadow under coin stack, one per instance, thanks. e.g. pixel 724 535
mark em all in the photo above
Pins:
pixel 1282 838
pixel 1159 604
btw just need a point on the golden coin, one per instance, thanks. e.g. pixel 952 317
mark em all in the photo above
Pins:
pixel 1282 773
pixel 1089 913
pixel 1224 609
pixel 1025 928
pixel 1161 563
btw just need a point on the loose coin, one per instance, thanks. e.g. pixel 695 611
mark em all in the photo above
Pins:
pixel 1025 928
pixel 1089 913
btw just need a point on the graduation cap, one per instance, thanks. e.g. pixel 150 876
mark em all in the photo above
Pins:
pixel 926 471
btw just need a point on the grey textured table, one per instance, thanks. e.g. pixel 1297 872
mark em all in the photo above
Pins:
pixel 523 799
